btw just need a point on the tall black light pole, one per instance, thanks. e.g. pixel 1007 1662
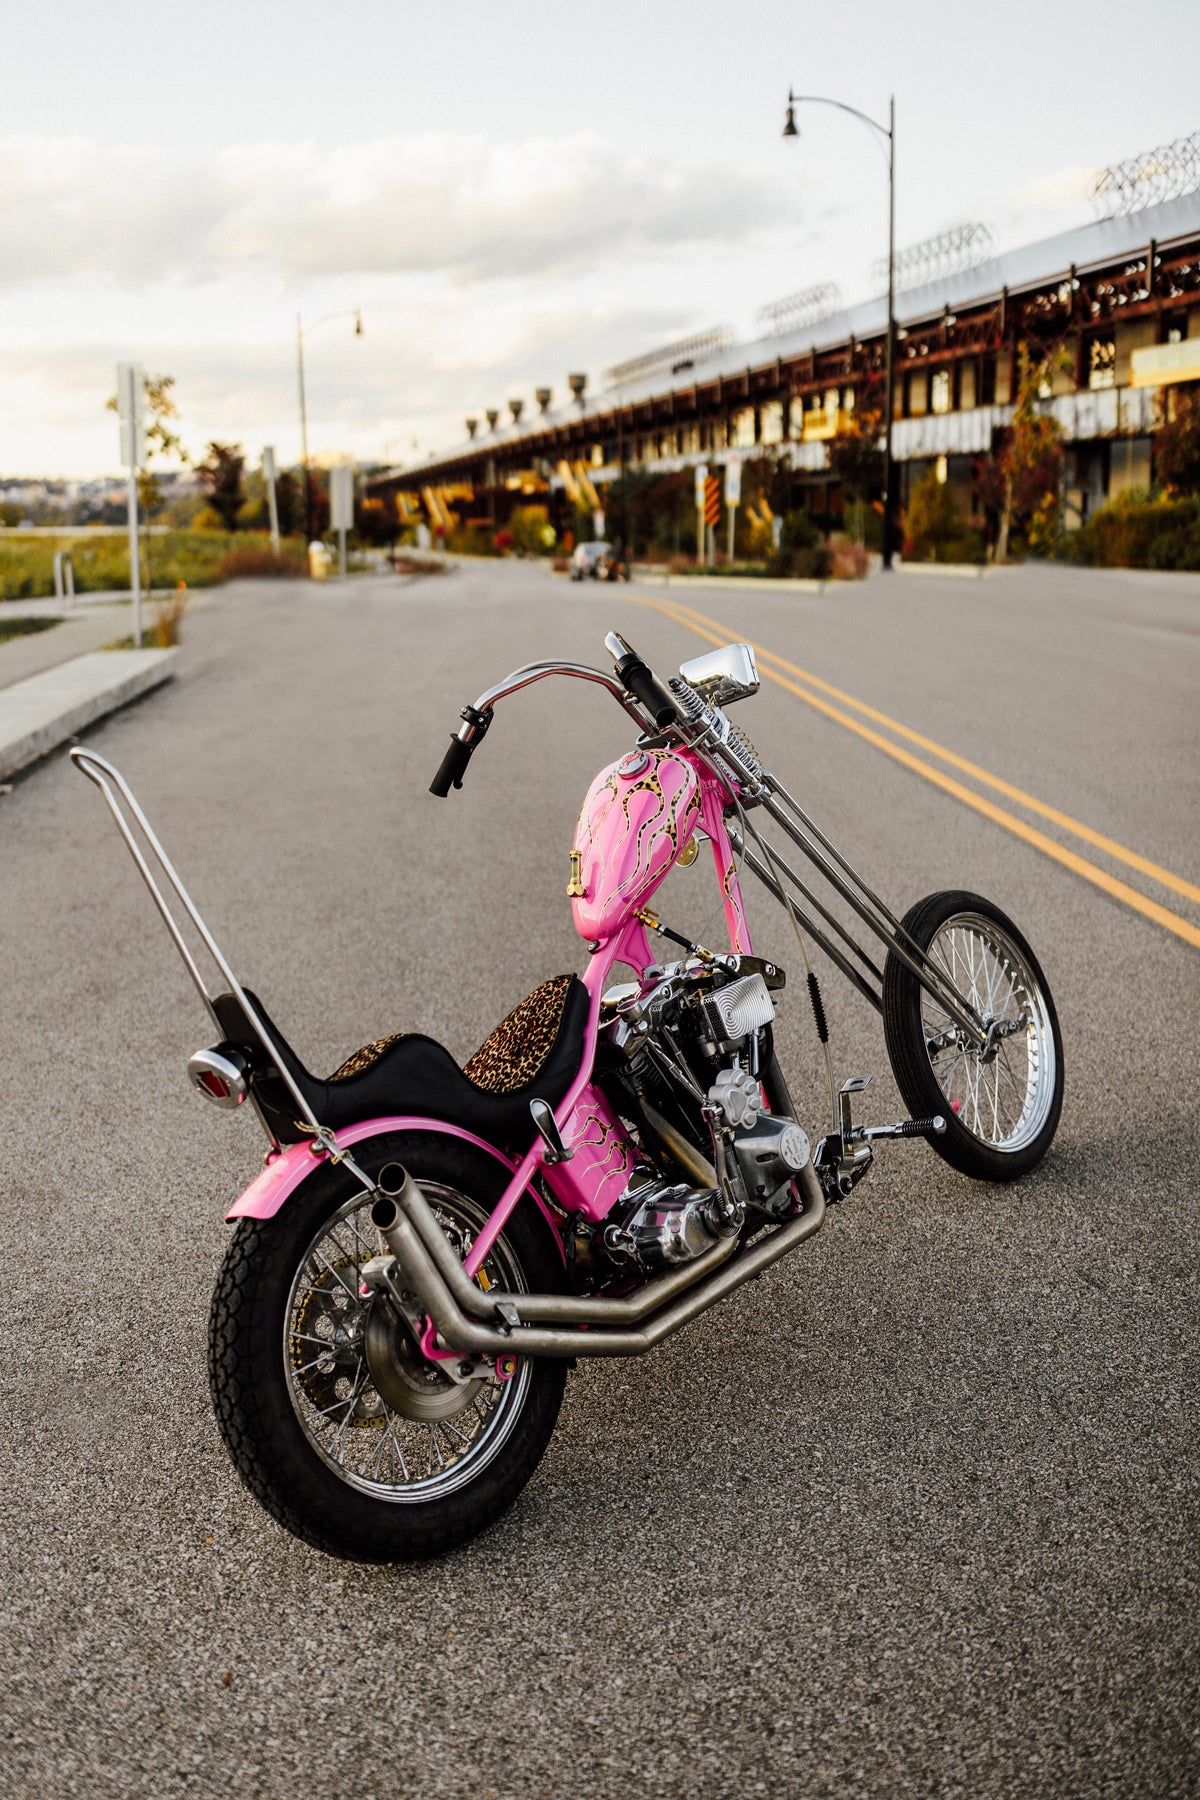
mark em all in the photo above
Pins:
pixel 302 332
pixel 887 131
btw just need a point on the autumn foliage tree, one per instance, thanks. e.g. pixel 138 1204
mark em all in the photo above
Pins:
pixel 1031 462
pixel 1177 443
pixel 221 472
pixel 855 456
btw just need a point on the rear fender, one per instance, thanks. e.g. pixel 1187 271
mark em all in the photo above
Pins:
pixel 290 1167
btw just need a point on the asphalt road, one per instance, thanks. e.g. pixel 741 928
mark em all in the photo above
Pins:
pixel 914 1515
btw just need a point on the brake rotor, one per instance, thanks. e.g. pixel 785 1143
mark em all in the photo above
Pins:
pixel 409 1383
pixel 331 1315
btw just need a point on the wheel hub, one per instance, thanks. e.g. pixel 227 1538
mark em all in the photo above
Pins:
pixel 407 1381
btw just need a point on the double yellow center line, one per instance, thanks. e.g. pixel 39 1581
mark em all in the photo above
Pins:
pixel 812 693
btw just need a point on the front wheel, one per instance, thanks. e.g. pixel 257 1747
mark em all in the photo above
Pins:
pixel 336 1423
pixel 1001 1102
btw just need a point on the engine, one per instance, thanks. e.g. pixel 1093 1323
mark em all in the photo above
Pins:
pixel 684 1065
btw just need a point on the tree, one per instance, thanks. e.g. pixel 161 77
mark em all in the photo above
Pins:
pixel 1177 443
pixel 221 473
pixel 289 503
pixel 855 454
pixel 159 436
pixel 1031 461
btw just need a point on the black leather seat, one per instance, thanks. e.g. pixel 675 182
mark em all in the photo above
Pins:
pixel 533 1054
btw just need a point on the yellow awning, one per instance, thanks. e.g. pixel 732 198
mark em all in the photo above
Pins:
pixel 1162 365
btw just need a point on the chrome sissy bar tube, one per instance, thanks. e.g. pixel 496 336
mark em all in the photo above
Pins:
pixel 111 782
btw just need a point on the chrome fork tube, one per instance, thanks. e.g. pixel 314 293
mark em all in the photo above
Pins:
pixel 871 909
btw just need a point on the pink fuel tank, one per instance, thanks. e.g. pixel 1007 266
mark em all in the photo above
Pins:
pixel 638 816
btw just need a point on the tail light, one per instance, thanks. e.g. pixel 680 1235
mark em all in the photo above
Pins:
pixel 221 1075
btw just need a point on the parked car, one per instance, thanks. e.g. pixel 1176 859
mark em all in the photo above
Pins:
pixel 598 561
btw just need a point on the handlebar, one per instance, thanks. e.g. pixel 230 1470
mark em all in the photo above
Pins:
pixel 463 744
pixel 633 678
pixel 641 681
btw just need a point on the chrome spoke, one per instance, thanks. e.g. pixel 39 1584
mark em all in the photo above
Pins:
pixel 400 1444
pixel 995 1099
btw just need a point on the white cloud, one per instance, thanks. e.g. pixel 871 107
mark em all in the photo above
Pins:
pixel 455 203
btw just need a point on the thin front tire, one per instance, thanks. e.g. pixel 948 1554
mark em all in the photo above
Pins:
pixel 1001 1103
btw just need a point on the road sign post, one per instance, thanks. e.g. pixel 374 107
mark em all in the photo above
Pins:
pixel 712 511
pixel 268 467
pixel 131 386
pixel 733 494
pixel 701 527
pixel 341 507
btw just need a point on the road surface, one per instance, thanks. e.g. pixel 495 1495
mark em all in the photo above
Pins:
pixel 913 1515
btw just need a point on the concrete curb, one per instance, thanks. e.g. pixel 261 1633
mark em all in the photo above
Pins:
pixel 39 714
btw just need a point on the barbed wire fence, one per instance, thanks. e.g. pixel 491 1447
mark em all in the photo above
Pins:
pixel 947 253
pixel 671 359
pixel 797 311
pixel 1147 179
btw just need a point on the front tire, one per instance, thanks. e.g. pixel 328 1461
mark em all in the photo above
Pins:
pixel 374 1476
pixel 1001 1106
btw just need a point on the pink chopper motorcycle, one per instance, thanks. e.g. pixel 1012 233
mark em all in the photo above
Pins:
pixel 428 1249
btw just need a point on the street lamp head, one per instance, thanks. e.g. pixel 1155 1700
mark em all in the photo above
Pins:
pixel 790 128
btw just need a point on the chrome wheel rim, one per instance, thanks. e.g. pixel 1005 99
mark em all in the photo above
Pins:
pixel 350 1425
pixel 1001 1094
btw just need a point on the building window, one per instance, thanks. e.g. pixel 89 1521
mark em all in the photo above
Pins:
pixel 1102 363
pixel 987 381
pixel 742 433
pixel 941 470
pixel 772 422
pixel 939 391
pixel 848 400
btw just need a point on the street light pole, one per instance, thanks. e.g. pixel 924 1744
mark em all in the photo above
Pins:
pixel 302 332
pixel 303 435
pixel 888 131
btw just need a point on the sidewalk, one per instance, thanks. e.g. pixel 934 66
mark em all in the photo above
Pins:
pixel 45 710
pixel 21 657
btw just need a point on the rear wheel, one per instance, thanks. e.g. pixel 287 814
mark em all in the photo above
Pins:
pixel 335 1421
pixel 1001 1102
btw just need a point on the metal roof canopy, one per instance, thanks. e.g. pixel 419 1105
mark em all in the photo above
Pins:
pixel 1087 248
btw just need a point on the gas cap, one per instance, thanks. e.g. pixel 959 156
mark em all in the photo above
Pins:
pixel 633 764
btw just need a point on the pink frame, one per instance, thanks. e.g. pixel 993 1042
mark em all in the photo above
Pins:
pixel 593 1185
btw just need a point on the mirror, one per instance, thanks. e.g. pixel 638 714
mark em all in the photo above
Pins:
pixel 723 675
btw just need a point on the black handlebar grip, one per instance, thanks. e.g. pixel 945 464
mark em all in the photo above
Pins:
pixel 453 768
pixel 641 681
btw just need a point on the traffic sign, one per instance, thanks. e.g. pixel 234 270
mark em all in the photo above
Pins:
pixel 701 478
pixel 733 481
pixel 712 499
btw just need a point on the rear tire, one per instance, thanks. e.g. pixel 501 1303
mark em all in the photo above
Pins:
pixel 1001 1109
pixel 312 1437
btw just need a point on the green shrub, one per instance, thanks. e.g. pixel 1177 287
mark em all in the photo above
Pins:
pixel 936 527
pixel 802 550
pixel 1137 533
pixel 101 562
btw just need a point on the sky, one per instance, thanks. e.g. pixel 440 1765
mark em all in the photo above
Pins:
pixel 507 192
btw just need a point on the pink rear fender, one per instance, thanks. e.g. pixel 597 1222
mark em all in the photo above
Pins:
pixel 293 1166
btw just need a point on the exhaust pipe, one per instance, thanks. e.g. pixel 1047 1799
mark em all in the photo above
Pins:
pixel 545 1309
pixel 424 1275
